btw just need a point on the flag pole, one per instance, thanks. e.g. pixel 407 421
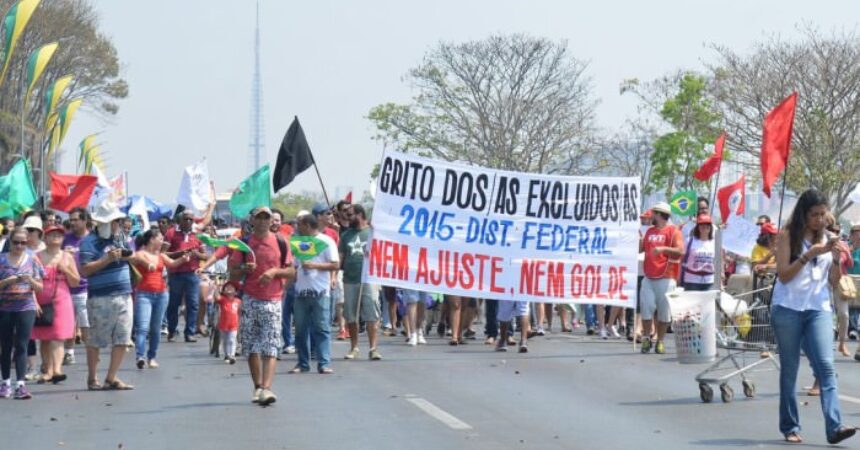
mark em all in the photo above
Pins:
pixel 782 194
pixel 319 177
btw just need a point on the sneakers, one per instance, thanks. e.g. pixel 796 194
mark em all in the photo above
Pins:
pixel 256 397
pixel 602 333
pixel 267 397
pixel 523 347
pixel 421 340
pixel 502 346
pixel 374 355
pixel 68 359
pixel 541 332
pixel 613 331
pixel 153 364
pixel 290 349
pixel 232 361
pixel 660 348
pixel 342 335
pixel 352 353
pixel 413 340
pixel 141 363
pixel 5 390
pixel 589 331
pixel 21 393
pixel 646 345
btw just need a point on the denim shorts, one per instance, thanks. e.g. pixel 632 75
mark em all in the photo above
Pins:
pixel 110 321
pixel 260 326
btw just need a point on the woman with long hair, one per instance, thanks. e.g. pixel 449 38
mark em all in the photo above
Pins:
pixel 700 256
pixel 61 274
pixel 20 279
pixel 151 294
pixel 801 316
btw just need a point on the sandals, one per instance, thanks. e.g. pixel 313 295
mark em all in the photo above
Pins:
pixel 297 370
pixel 117 385
pixel 793 438
pixel 94 385
pixel 453 342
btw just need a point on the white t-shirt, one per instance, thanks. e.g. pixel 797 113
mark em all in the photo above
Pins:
pixel 700 259
pixel 317 280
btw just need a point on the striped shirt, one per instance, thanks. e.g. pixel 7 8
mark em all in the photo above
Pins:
pixel 113 279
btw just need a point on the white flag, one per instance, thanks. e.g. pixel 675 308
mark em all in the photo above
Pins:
pixel 138 208
pixel 103 191
pixel 194 188
pixel 854 196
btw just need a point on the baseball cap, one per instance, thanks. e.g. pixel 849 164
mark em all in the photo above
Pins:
pixel 261 210
pixel 662 207
pixel 320 208
pixel 769 228
pixel 54 228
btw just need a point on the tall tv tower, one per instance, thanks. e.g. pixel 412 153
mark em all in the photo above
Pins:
pixel 256 142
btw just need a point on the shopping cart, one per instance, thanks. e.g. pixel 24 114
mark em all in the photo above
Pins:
pixel 744 332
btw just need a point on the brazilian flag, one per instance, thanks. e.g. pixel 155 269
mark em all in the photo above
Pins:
pixel 306 247
pixel 684 204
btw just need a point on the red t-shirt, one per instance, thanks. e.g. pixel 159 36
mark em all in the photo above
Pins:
pixel 151 280
pixel 179 241
pixel 229 318
pixel 268 256
pixel 333 234
pixel 660 266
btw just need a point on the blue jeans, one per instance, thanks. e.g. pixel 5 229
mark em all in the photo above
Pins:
pixel 811 331
pixel 591 315
pixel 148 312
pixel 491 310
pixel 188 285
pixel 313 324
pixel 287 315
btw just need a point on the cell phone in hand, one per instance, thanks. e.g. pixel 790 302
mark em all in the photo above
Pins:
pixel 126 253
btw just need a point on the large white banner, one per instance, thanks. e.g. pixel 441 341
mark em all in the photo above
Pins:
pixel 477 232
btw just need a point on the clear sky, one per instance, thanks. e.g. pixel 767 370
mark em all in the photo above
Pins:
pixel 189 65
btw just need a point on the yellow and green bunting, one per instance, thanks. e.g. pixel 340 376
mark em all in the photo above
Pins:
pixel 15 22
pixel 39 59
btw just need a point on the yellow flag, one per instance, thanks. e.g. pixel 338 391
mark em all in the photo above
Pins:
pixel 39 59
pixel 54 92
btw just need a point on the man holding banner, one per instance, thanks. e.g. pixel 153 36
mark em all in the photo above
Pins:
pixel 663 247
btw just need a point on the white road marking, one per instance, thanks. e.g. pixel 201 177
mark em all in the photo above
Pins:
pixel 850 399
pixel 438 413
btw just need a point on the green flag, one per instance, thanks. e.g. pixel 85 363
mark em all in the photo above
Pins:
pixel 684 204
pixel 234 244
pixel 17 193
pixel 306 247
pixel 254 192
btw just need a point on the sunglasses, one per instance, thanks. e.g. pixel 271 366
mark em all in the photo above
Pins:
pixel 19 242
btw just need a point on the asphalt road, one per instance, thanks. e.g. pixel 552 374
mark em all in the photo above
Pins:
pixel 569 391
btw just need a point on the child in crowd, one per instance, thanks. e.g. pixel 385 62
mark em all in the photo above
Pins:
pixel 228 322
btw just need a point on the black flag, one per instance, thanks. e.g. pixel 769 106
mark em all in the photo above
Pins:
pixel 294 157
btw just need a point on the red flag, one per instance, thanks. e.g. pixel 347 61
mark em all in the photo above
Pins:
pixel 71 191
pixel 712 164
pixel 776 141
pixel 348 197
pixel 731 199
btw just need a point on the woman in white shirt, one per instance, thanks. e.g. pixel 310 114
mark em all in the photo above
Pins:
pixel 699 256
pixel 801 316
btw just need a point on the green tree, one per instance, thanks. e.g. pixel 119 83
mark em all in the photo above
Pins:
pixel 84 52
pixel 509 101
pixel 693 126
pixel 291 204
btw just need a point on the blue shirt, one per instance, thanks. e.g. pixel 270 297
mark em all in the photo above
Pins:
pixel 113 279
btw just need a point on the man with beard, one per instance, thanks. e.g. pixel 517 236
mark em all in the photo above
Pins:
pixel 360 299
